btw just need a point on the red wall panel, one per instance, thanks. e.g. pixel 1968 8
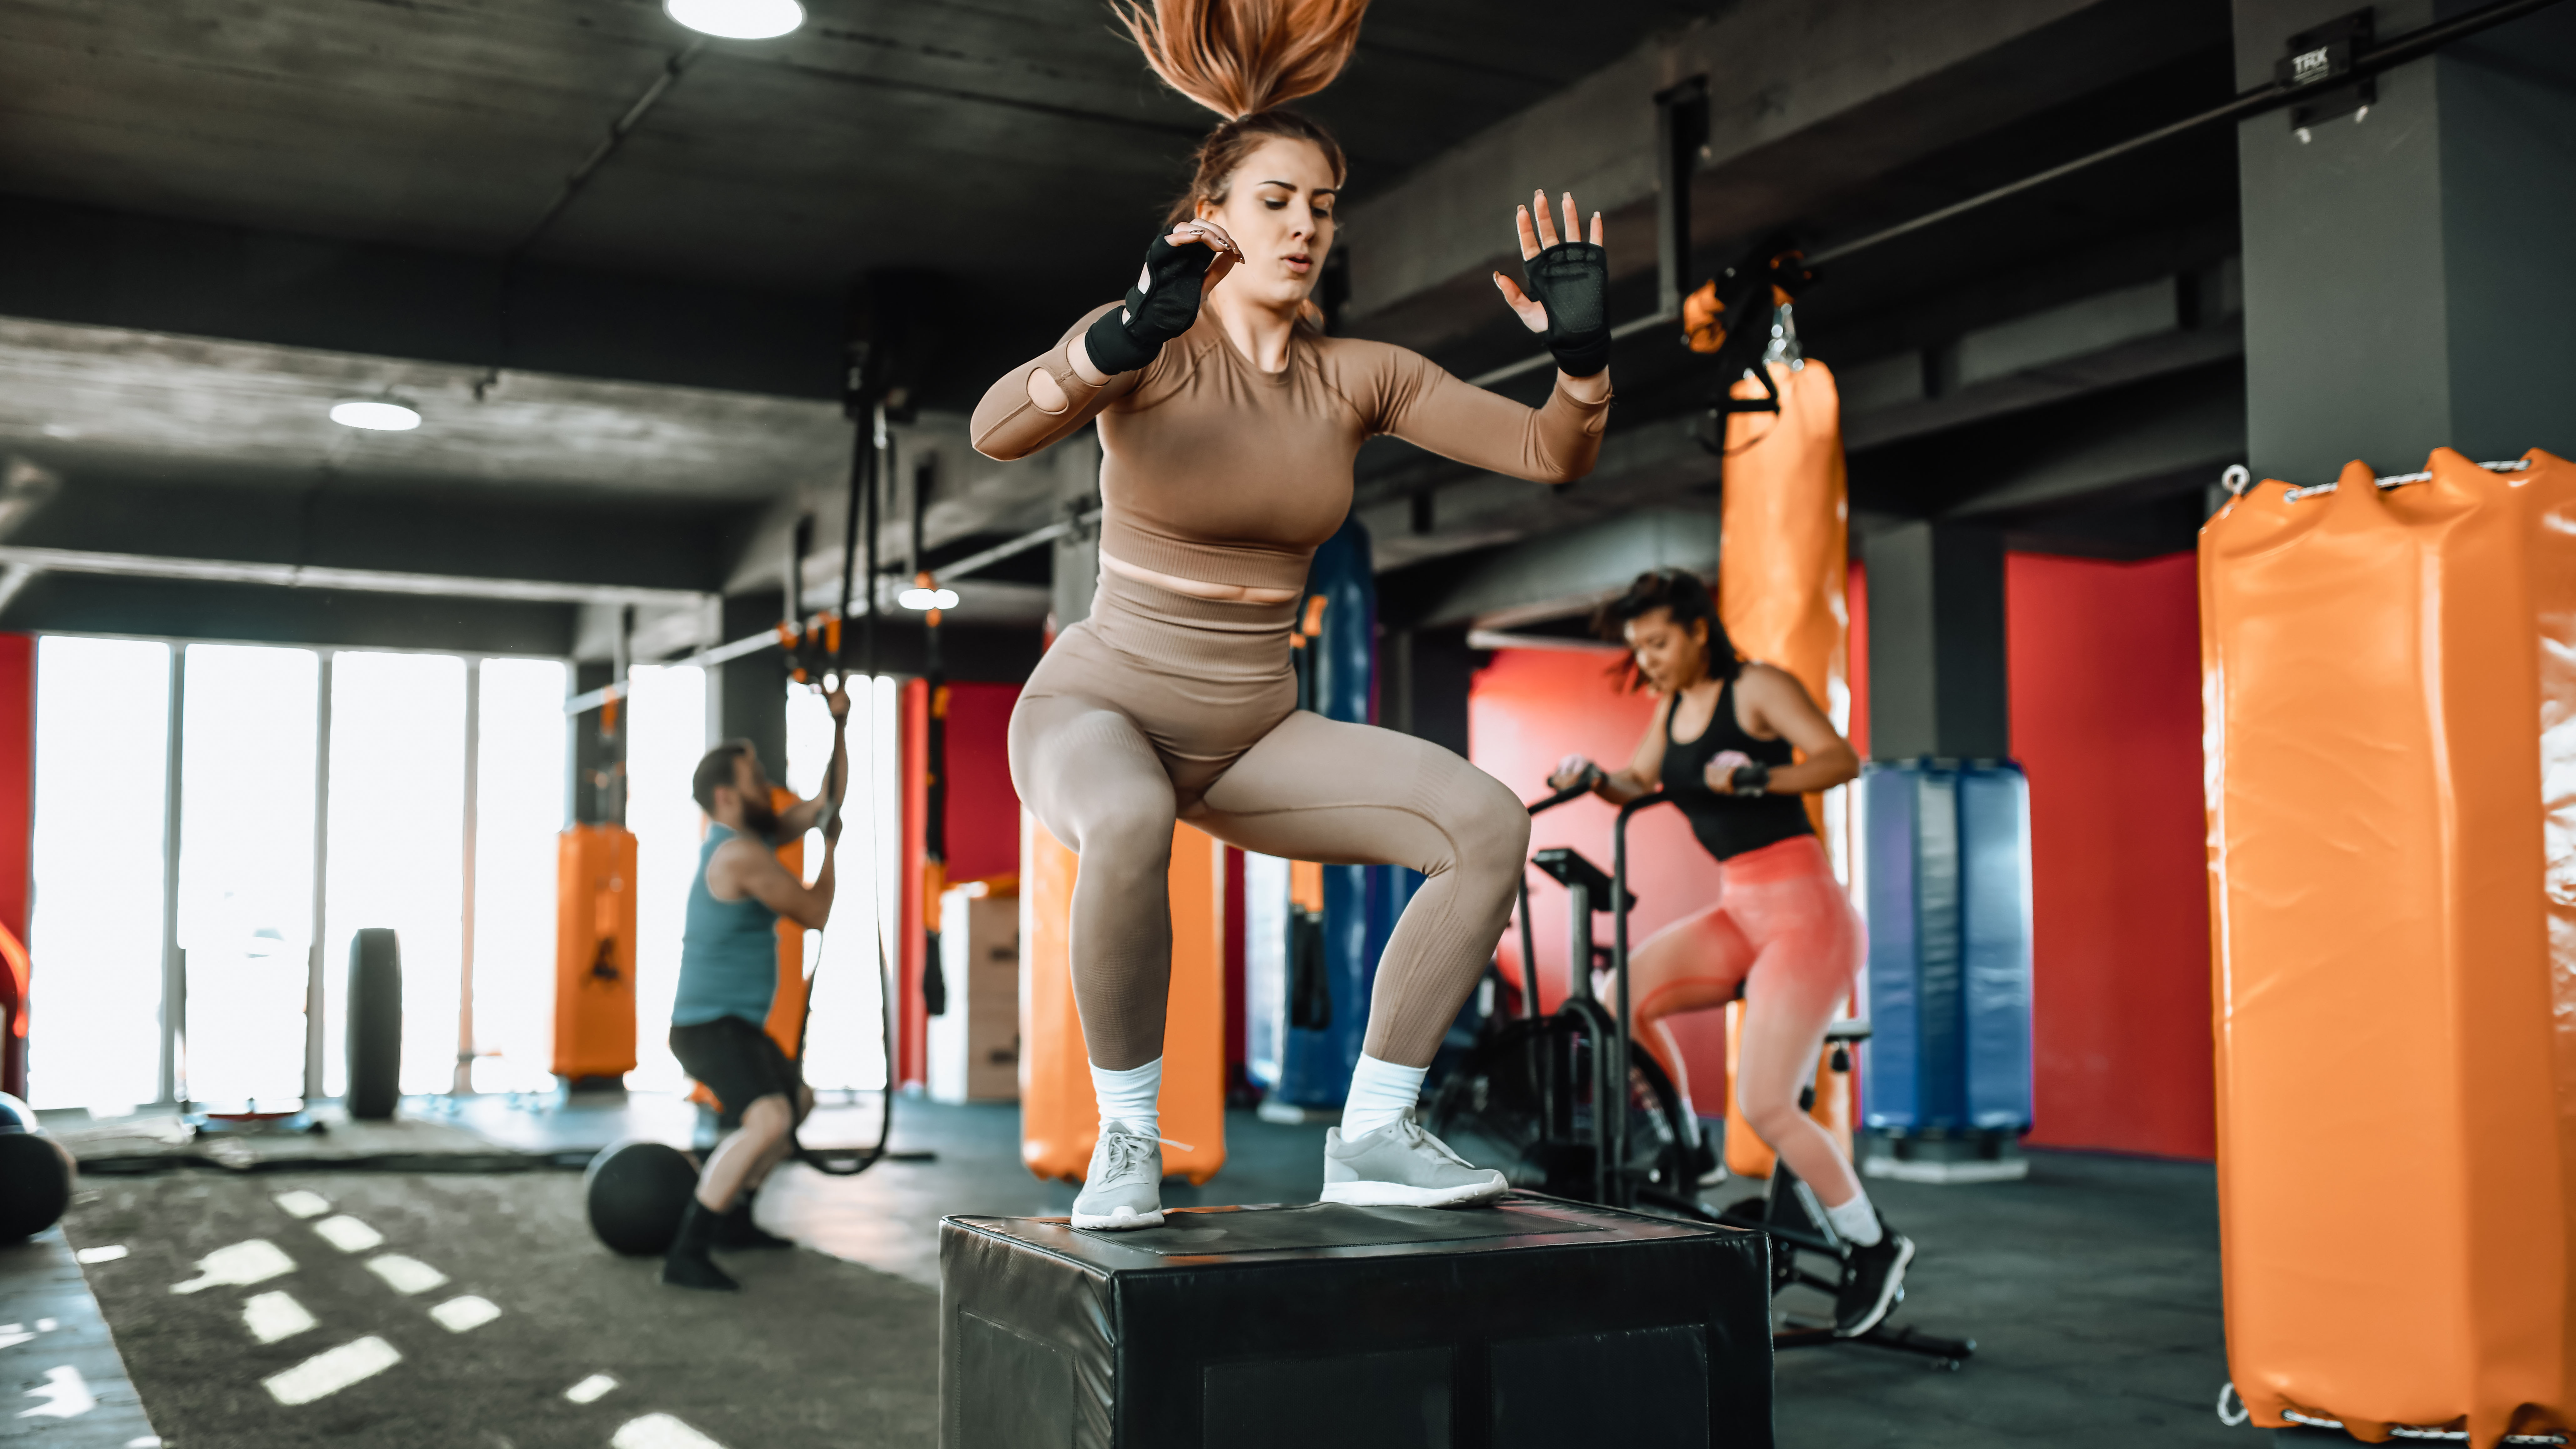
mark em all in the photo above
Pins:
pixel 983 809
pixel 1525 710
pixel 17 820
pixel 983 825
pixel 2105 668
pixel 2105 682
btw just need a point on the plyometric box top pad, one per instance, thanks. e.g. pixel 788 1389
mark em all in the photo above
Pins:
pixel 1534 1322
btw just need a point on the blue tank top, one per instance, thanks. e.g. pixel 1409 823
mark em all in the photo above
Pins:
pixel 728 952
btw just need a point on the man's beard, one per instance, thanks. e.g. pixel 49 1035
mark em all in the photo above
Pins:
pixel 758 819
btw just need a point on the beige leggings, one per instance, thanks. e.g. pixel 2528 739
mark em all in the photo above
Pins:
pixel 1161 707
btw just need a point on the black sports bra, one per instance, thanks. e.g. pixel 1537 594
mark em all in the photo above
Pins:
pixel 1729 825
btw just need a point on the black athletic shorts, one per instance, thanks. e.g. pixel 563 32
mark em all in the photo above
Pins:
pixel 738 1061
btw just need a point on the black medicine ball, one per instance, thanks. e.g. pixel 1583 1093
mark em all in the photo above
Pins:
pixel 35 1184
pixel 636 1192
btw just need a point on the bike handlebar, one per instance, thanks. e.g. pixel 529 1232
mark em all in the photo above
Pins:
pixel 1575 791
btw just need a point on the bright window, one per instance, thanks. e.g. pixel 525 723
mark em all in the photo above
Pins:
pixel 246 869
pixel 102 741
pixel 666 720
pixel 397 855
pixel 518 812
pixel 845 1040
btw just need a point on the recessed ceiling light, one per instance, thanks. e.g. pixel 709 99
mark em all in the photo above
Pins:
pixel 927 598
pixel 738 19
pixel 383 413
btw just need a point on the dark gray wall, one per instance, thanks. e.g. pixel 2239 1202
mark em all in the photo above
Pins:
pixel 1936 643
pixel 1423 682
pixel 2408 274
pixel 590 755
pixel 751 692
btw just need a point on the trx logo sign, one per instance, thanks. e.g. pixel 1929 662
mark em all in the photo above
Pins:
pixel 2323 53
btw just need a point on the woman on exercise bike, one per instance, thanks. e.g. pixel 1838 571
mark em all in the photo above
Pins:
pixel 1735 744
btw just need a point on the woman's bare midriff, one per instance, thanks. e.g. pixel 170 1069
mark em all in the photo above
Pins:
pixel 1223 593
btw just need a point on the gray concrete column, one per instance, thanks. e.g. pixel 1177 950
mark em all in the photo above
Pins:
pixel 751 692
pixel 592 757
pixel 1422 686
pixel 1936 643
pixel 2408 271
pixel 1077 555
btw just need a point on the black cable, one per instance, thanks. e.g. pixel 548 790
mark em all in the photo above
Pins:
pixel 2414 45
pixel 673 68
pixel 867 457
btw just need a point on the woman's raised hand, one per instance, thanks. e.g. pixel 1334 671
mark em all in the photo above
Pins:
pixel 1214 238
pixel 1179 268
pixel 1571 771
pixel 1569 283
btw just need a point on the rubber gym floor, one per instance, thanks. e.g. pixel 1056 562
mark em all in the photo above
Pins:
pixel 2091 1289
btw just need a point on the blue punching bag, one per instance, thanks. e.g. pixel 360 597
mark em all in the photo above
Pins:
pixel 1945 855
pixel 1309 953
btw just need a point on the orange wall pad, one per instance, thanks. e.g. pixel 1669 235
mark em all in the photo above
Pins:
pixel 1059 1116
pixel 1782 549
pixel 2389 684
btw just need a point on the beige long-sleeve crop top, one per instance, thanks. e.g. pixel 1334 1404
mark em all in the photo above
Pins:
pixel 1215 471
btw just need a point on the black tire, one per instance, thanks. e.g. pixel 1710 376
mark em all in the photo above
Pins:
pixel 375 1024
pixel 1489 1111
pixel 35 1184
pixel 635 1193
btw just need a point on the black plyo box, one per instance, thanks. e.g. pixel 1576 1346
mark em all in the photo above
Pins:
pixel 1535 1324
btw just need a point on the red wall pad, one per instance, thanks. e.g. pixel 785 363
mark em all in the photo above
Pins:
pixel 2389 675
pixel 2105 675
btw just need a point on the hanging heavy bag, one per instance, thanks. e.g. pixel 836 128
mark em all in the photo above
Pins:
pixel 375 1024
pixel 1310 990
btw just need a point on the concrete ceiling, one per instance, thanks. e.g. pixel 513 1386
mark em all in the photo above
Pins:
pixel 958 136
pixel 217 216
pixel 99 398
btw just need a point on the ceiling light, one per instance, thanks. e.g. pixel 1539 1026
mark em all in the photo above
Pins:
pixel 383 413
pixel 927 598
pixel 738 19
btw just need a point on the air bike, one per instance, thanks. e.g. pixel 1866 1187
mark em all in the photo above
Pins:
pixel 1528 1101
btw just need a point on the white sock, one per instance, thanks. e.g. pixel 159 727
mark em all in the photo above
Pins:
pixel 1856 1222
pixel 1132 1098
pixel 1381 1092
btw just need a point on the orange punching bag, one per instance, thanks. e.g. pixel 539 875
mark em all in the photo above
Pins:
pixel 594 953
pixel 1782 549
pixel 1059 1116
pixel 2389 688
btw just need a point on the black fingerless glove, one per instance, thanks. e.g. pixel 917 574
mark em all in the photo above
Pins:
pixel 1572 280
pixel 1750 779
pixel 1161 306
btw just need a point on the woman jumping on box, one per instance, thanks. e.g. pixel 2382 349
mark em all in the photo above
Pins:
pixel 1228 426
pixel 1725 743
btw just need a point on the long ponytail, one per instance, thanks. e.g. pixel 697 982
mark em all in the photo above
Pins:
pixel 1240 58
pixel 1244 59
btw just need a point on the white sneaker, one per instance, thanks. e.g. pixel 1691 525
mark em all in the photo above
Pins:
pixel 1400 1165
pixel 1124 1187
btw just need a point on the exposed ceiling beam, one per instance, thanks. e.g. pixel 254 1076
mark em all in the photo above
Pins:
pixel 311 576
pixel 217 611
pixel 1546 577
pixel 1818 96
